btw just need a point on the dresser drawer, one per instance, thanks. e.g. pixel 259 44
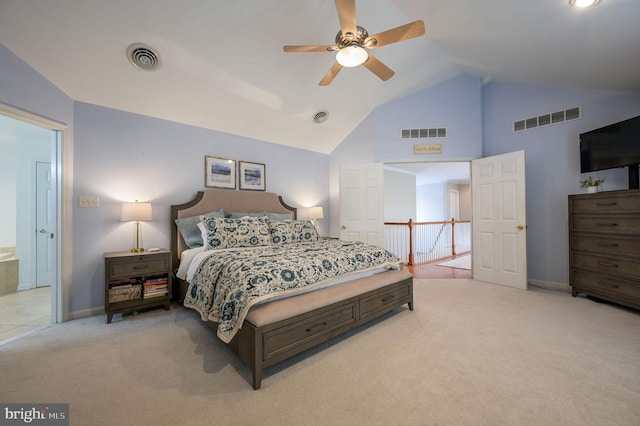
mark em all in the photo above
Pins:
pixel 605 285
pixel 313 327
pixel 599 203
pixel 606 264
pixel 606 245
pixel 138 266
pixel 384 300
pixel 609 224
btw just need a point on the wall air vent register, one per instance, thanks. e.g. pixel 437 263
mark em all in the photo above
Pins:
pixel 574 113
pixel 439 132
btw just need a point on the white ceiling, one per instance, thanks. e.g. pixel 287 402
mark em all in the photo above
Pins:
pixel 435 172
pixel 223 68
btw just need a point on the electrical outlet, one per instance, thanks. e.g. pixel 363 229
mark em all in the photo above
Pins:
pixel 88 202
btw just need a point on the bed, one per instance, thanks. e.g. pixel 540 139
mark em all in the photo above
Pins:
pixel 268 284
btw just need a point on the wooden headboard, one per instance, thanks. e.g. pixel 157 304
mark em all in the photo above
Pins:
pixel 229 200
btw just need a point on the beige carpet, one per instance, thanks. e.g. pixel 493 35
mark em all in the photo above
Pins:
pixel 469 354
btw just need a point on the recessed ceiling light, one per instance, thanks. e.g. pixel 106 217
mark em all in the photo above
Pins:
pixel 583 3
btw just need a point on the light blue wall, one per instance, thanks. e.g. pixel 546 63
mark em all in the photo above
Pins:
pixel 22 87
pixel 479 123
pixel 120 156
pixel 552 159
pixel 454 104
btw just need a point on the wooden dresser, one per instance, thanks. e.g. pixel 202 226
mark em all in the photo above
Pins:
pixel 604 246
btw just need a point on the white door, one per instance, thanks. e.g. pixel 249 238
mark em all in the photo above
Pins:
pixel 45 226
pixel 454 205
pixel 362 203
pixel 499 220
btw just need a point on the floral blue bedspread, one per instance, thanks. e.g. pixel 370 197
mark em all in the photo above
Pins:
pixel 228 282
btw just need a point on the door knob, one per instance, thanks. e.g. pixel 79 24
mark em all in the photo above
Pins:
pixel 343 227
pixel 520 227
pixel 44 231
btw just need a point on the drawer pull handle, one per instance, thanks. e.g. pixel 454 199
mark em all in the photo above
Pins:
pixel 141 267
pixel 608 284
pixel 613 203
pixel 391 297
pixel 319 326
pixel 608 244
pixel 607 224
pixel 608 264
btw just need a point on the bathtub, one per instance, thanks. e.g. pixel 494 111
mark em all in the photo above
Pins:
pixel 8 270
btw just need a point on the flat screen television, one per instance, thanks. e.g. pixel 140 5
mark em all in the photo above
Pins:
pixel 613 146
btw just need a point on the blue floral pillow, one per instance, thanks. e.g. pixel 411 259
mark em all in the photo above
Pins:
pixel 236 232
pixel 292 231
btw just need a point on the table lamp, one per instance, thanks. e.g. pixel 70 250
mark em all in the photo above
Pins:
pixel 136 212
pixel 315 213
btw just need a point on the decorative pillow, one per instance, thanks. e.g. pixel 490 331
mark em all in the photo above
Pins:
pixel 236 232
pixel 279 216
pixel 188 227
pixel 292 231
pixel 236 215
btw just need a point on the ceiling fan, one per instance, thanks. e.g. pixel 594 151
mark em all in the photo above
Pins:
pixel 353 42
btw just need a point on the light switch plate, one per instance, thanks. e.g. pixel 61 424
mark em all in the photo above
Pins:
pixel 88 202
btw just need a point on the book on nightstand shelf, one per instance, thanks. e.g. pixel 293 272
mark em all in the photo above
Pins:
pixel 155 287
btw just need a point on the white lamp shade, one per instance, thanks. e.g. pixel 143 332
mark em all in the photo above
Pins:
pixel 136 211
pixel 315 213
pixel 583 3
pixel 351 56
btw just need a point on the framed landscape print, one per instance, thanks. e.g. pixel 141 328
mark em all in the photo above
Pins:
pixel 219 172
pixel 252 176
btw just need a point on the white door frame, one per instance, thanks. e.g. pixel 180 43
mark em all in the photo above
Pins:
pixel 44 264
pixel 61 172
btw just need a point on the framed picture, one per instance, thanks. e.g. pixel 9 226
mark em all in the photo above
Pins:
pixel 219 172
pixel 252 176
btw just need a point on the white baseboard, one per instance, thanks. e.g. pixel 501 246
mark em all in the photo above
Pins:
pixel 550 285
pixel 23 287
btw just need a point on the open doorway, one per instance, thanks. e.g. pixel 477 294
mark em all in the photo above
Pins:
pixel 436 196
pixel 27 263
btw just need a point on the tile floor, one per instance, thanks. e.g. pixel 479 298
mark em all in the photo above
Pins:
pixel 24 311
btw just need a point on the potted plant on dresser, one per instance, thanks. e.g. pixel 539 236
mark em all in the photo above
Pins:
pixel 591 184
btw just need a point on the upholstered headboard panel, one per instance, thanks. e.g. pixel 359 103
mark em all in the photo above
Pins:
pixel 229 200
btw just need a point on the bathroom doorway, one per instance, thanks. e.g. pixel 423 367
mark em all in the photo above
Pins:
pixel 26 152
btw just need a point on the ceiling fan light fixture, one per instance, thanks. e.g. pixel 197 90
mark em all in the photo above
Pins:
pixel 352 56
pixel 583 3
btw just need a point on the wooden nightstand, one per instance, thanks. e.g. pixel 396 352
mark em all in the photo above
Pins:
pixel 134 281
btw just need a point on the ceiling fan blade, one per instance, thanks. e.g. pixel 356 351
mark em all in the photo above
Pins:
pixel 347 16
pixel 310 48
pixel 403 32
pixel 329 76
pixel 378 68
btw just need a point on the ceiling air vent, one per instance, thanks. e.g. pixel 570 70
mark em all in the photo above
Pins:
pixel 143 57
pixel 439 132
pixel 320 116
pixel 546 119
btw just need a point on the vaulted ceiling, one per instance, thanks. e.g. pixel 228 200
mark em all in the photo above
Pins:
pixel 222 64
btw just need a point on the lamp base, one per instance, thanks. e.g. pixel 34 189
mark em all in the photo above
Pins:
pixel 137 250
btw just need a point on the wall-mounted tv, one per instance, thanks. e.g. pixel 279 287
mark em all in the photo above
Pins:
pixel 609 147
